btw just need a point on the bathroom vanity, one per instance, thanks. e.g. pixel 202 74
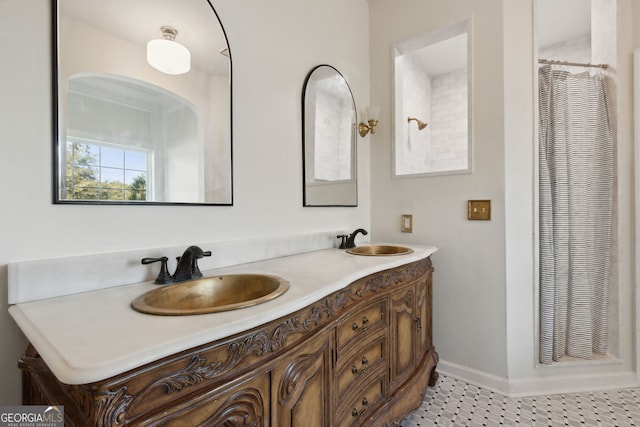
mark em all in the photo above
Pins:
pixel 349 344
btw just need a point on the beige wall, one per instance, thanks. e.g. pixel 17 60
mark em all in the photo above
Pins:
pixel 484 294
pixel 469 291
pixel 274 45
pixel 485 288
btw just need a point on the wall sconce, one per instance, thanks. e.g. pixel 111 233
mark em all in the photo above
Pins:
pixel 372 112
pixel 168 56
pixel 421 124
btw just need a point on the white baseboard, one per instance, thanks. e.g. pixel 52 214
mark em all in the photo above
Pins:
pixel 473 376
pixel 538 386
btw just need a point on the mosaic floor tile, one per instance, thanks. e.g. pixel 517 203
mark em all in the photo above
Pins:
pixel 454 403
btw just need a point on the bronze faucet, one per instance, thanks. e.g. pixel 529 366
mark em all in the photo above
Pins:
pixel 350 241
pixel 187 268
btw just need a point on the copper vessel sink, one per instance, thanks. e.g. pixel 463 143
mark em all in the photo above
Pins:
pixel 211 294
pixel 379 250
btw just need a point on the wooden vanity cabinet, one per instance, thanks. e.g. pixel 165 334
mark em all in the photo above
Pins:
pixel 362 356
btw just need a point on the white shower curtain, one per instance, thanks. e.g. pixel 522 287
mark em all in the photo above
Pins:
pixel 576 153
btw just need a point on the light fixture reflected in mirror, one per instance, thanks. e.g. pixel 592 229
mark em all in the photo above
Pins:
pixel 421 124
pixel 372 113
pixel 168 56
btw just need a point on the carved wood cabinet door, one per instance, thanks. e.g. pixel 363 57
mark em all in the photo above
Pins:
pixel 301 385
pixel 244 403
pixel 403 335
pixel 423 315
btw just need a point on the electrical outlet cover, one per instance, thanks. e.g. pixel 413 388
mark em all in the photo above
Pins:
pixel 479 210
pixel 406 225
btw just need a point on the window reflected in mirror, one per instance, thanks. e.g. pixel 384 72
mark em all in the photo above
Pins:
pixel 431 103
pixel 124 158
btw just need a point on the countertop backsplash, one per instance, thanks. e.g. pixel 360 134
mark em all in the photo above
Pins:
pixel 48 278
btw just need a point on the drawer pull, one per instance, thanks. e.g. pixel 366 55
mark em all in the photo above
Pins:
pixel 418 323
pixel 356 413
pixel 362 328
pixel 363 369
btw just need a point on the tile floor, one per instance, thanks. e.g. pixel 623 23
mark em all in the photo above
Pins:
pixel 455 403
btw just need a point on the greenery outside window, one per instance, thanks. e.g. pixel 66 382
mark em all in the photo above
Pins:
pixel 102 171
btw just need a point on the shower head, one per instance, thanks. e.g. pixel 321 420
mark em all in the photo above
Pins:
pixel 421 124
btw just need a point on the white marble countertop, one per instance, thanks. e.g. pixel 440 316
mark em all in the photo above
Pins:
pixel 95 335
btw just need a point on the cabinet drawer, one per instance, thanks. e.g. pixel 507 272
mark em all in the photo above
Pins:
pixel 361 360
pixel 359 404
pixel 357 324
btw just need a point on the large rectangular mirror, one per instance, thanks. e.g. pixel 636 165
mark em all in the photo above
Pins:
pixel 142 110
pixel 432 119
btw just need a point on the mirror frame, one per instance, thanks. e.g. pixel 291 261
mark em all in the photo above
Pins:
pixel 354 139
pixel 56 168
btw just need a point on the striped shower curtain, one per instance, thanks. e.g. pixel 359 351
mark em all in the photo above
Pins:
pixel 576 154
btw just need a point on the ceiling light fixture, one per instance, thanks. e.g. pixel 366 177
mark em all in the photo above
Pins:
pixel 167 55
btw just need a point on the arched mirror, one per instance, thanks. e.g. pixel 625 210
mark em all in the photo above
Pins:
pixel 329 139
pixel 142 111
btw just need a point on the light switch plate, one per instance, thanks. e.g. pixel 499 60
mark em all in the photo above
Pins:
pixel 406 224
pixel 479 209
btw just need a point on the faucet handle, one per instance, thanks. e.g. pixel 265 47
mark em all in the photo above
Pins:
pixel 163 277
pixel 195 270
pixel 342 243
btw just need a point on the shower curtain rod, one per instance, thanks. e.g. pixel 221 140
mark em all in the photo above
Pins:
pixel 573 64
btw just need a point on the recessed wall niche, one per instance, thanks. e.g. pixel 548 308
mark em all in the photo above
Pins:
pixel 431 102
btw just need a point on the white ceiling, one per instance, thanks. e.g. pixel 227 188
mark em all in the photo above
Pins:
pixel 444 56
pixel 140 21
pixel 557 21
pixel 561 20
